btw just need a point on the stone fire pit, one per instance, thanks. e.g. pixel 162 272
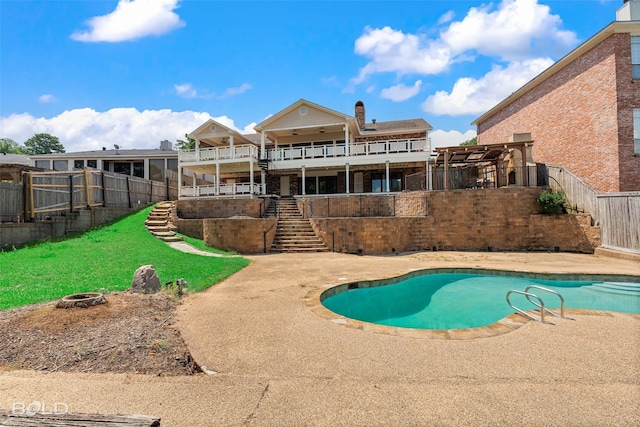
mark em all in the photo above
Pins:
pixel 83 300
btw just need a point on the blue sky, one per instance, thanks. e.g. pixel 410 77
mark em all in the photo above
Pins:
pixel 135 72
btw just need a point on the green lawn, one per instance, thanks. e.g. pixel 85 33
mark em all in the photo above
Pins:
pixel 102 260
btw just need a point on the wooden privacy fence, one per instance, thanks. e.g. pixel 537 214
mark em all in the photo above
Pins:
pixel 10 202
pixel 50 193
pixel 618 214
pixel 620 224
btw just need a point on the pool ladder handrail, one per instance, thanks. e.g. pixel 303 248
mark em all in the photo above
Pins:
pixel 524 313
pixel 542 288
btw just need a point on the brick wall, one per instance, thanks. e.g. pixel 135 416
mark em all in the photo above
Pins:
pixel 247 236
pixel 580 118
pixel 501 219
pixel 189 227
pixel 219 208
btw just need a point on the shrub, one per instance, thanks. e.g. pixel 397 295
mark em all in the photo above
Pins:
pixel 552 203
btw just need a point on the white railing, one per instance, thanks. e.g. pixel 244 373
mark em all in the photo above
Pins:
pixel 219 153
pixel 238 189
pixel 369 148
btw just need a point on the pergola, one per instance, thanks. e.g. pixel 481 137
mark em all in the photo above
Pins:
pixel 487 154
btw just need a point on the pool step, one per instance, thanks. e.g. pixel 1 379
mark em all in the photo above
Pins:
pixel 623 288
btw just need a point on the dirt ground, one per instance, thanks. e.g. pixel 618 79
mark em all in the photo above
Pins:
pixel 131 333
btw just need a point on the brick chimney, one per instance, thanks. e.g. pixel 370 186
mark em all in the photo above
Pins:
pixel 360 117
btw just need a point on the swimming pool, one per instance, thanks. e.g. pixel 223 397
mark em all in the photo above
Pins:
pixel 469 298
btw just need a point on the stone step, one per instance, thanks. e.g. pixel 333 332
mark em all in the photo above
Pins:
pixel 171 238
pixel 299 250
pixel 158 229
pixel 298 245
pixel 295 241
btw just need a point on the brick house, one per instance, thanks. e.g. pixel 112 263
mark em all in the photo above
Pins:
pixel 583 112
pixel 305 149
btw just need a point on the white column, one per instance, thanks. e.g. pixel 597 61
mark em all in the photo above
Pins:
pixel 347 177
pixel 179 181
pixel 263 154
pixel 427 178
pixel 197 149
pixel 233 154
pixel 263 181
pixel 347 143
pixel 251 176
pixel 304 186
pixel 217 189
pixel 387 176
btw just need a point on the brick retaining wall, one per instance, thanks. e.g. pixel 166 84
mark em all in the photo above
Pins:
pixel 244 235
pixel 493 219
pixel 219 208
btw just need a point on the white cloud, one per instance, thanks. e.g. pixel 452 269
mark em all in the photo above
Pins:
pixel 401 92
pixel 441 138
pixel 232 91
pixel 447 17
pixel 47 98
pixel 86 129
pixel 517 30
pixel 186 90
pixel 394 51
pixel 475 96
pixel 512 30
pixel 132 19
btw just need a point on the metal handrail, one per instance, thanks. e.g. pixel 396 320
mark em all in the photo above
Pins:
pixel 550 291
pixel 525 314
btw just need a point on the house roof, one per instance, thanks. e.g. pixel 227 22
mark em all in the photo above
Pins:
pixel 615 27
pixel 299 103
pixel 395 126
pixel 15 159
pixel 101 154
pixel 214 132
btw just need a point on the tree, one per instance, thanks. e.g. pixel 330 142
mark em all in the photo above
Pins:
pixel 9 146
pixel 188 144
pixel 472 141
pixel 43 143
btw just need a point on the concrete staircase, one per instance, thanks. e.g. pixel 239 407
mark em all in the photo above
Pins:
pixel 294 232
pixel 159 223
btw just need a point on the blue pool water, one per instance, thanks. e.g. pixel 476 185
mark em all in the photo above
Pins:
pixel 462 300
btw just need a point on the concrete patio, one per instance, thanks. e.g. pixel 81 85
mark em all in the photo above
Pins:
pixel 279 363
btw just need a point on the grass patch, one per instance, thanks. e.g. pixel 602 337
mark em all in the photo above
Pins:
pixel 199 244
pixel 102 260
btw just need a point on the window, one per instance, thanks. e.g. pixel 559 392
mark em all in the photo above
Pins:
pixel 122 167
pixel 78 164
pixel 60 165
pixel 92 164
pixel 379 182
pixel 636 131
pixel 635 57
pixel 44 164
pixel 138 169
pixel 156 169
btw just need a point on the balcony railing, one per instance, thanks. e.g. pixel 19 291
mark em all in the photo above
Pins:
pixel 219 153
pixel 239 189
pixel 368 148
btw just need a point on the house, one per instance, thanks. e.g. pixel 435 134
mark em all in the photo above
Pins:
pixel 583 112
pixel 148 164
pixel 12 166
pixel 306 149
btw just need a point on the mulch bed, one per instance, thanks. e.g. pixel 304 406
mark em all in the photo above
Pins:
pixel 131 333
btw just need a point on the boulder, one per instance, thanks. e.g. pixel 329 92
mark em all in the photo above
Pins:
pixel 145 280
